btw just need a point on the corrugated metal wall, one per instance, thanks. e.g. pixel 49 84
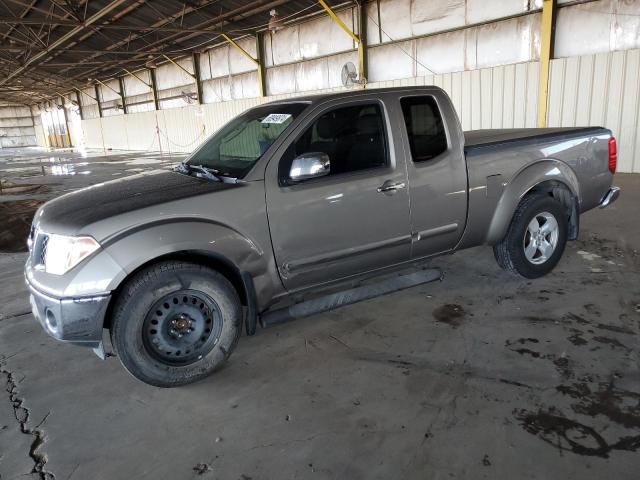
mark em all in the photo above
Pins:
pixel 601 89
pixel 16 127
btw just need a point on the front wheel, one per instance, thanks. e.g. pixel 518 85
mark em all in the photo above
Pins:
pixel 535 239
pixel 175 323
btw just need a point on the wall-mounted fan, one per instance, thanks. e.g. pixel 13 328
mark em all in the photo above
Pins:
pixel 189 97
pixel 349 75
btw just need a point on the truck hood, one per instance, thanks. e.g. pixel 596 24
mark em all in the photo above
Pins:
pixel 69 213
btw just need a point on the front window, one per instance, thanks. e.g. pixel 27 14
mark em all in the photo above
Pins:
pixel 233 150
pixel 352 137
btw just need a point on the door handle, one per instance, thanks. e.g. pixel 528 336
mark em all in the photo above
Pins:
pixel 390 187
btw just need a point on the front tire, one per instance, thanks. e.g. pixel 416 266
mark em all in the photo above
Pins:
pixel 536 237
pixel 175 323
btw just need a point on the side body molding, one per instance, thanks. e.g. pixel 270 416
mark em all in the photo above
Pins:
pixel 172 236
pixel 523 181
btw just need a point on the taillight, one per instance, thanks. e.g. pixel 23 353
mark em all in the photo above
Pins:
pixel 613 155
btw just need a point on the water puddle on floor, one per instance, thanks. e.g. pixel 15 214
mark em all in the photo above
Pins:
pixel 15 218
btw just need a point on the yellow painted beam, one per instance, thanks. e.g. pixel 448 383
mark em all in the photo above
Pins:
pixel 250 57
pixel 180 67
pixel 546 49
pixel 136 76
pixel 340 23
pixel 86 94
pixel 112 89
pixel 242 50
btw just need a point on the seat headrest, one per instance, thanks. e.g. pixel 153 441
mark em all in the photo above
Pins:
pixel 368 124
pixel 326 127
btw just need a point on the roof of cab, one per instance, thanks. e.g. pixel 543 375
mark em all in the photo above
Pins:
pixel 354 93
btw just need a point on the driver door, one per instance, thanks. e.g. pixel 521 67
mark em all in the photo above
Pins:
pixel 346 222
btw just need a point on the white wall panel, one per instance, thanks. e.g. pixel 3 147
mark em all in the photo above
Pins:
pixel 133 86
pixel 219 62
pixel 323 36
pixel 429 16
pixel 238 62
pixel 141 131
pixel 600 26
pixel 114 133
pixel 441 53
pixel 389 62
pixel 92 133
pixel 604 90
pixel 169 75
pixel 510 41
pixel 485 10
pixel 395 19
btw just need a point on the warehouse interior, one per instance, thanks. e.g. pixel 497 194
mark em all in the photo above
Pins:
pixel 478 375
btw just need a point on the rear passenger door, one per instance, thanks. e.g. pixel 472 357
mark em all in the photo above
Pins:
pixel 338 225
pixel 437 172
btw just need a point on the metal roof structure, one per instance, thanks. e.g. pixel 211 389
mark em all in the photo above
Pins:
pixel 49 46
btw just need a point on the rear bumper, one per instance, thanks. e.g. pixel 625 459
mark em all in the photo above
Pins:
pixel 74 320
pixel 610 197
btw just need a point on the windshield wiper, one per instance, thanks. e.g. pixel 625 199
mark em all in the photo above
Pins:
pixel 206 172
pixel 199 170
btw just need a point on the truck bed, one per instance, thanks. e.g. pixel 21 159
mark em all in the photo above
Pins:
pixel 476 139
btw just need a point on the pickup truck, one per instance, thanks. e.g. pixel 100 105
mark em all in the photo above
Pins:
pixel 294 198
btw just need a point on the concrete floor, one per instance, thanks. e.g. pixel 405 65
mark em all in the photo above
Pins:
pixel 482 375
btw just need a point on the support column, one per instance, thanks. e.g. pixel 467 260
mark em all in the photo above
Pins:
pixel 547 31
pixel 154 89
pixel 197 78
pixel 122 95
pixel 98 100
pixel 79 105
pixel 262 74
pixel 363 58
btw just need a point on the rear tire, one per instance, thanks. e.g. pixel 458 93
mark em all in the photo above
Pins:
pixel 175 323
pixel 536 237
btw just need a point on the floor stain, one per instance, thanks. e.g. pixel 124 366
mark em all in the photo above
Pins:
pixel 450 314
pixel 610 341
pixel 15 218
pixel 569 435
pixel 615 328
pixel 620 406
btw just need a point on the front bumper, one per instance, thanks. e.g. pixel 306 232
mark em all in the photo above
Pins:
pixel 610 197
pixel 74 320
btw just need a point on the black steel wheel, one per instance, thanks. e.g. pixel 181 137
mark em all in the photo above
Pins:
pixel 175 322
pixel 182 327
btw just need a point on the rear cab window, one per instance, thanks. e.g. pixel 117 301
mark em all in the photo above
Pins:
pixel 425 127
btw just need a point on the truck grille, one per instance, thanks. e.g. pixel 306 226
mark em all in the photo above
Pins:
pixel 43 248
pixel 38 246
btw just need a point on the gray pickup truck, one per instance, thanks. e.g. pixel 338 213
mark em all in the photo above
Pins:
pixel 295 198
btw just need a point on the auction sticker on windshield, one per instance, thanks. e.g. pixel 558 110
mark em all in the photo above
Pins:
pixel 276 118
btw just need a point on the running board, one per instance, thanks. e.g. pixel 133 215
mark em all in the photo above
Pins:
pixel 347 297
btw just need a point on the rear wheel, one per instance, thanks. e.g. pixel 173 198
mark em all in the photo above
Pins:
pixel 175 323
pixel 535 239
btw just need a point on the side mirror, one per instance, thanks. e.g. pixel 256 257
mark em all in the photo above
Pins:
pixel 309 165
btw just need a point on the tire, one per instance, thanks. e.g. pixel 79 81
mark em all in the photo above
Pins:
pixel 175 323
pixel 533 255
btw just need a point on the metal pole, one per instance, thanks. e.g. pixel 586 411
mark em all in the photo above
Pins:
pixel 546 53
pixel 262 74
pixel 98 100
pixel 122 94
pixel 196 74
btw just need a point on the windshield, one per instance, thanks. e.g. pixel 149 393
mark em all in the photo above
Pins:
pixel 233 150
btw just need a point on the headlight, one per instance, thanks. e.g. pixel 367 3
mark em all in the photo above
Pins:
pixel 63 253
